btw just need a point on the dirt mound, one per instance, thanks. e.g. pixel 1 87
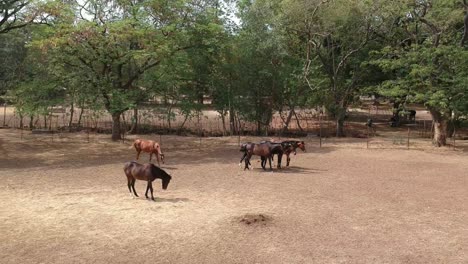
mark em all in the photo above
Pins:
pixel 255 219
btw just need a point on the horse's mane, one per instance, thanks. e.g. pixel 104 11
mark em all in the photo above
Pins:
pixel 158 171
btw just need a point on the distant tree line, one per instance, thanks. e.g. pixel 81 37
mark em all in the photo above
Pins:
pixel 276 56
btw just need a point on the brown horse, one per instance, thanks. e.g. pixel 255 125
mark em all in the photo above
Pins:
pixel 287 147
pixel 150 147
pixel 145 172
pixel 264 150
pixel 293 146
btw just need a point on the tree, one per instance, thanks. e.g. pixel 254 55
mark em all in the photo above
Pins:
pixel 425 60
pixel 15 14
pixel 121 42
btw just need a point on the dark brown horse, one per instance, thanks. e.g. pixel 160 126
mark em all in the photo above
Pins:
pixel 150 147
pixel 288 147
pixel 264 150
pixel 293 145
pixel 145 172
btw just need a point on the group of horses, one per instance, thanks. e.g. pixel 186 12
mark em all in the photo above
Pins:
pixel 146 172
pixel 267 149
pixel 150 172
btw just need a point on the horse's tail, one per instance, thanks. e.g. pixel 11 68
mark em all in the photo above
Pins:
pixel 157 147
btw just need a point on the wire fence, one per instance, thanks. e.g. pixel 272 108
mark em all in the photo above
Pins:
pixel 310 125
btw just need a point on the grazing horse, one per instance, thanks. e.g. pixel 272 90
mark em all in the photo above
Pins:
pixel 149 146
pixel 145 172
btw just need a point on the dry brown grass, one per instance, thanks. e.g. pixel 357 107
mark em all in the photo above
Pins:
pixel 67 202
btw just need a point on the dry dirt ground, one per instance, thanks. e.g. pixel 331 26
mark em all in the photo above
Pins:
pixel 67 201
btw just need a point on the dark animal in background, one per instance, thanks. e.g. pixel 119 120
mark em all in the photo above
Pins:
pixel 411 115
pixel 145 172
pixel 150 147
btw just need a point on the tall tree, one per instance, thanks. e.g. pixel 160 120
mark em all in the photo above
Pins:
pixel 114 43
pixel 425 59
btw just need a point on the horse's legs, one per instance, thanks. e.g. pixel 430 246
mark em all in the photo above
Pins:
pixel 129 184
pixel 158 157
pixel 147 188
pixel 288 159
pixel 133 187
pixel 280 157
pixel 269 159
pixel 247 161
pixel 151 154
pixel 243 157
pixel 151 188
pixel 138 154
pixel 263 163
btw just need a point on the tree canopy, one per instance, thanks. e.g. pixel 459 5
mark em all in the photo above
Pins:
pixel 254 58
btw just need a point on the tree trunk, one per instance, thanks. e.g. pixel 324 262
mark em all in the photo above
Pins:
pixel 179 131
pixel 340 126
pixel 223 118
pixel 340 115
pixel 440 128
pixel 116 135
pixel 72 111
pixel 232 123
pixel 80 116
pixel 288 120
pixel 21 121
pixel 298 122
pixel 134 128
pixel 31 122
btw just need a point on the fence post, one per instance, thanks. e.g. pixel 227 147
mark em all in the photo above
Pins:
pixel 453 136
pixel 320 131
pixel 4 113
pixel 407 144
pixel 367 138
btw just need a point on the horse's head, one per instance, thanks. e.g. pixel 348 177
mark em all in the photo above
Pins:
pixel 165 181
pixel 162 157
pixel 244 146
pixel 301 145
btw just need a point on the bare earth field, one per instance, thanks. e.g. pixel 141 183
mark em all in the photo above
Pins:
pixel 67 201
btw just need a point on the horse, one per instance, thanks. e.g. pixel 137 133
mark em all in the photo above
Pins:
pixel 288 147
pixel 265 150
pixel 278 149
pixel 150 147
pixel 293 145
pixel 245 147
pixel 145 172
